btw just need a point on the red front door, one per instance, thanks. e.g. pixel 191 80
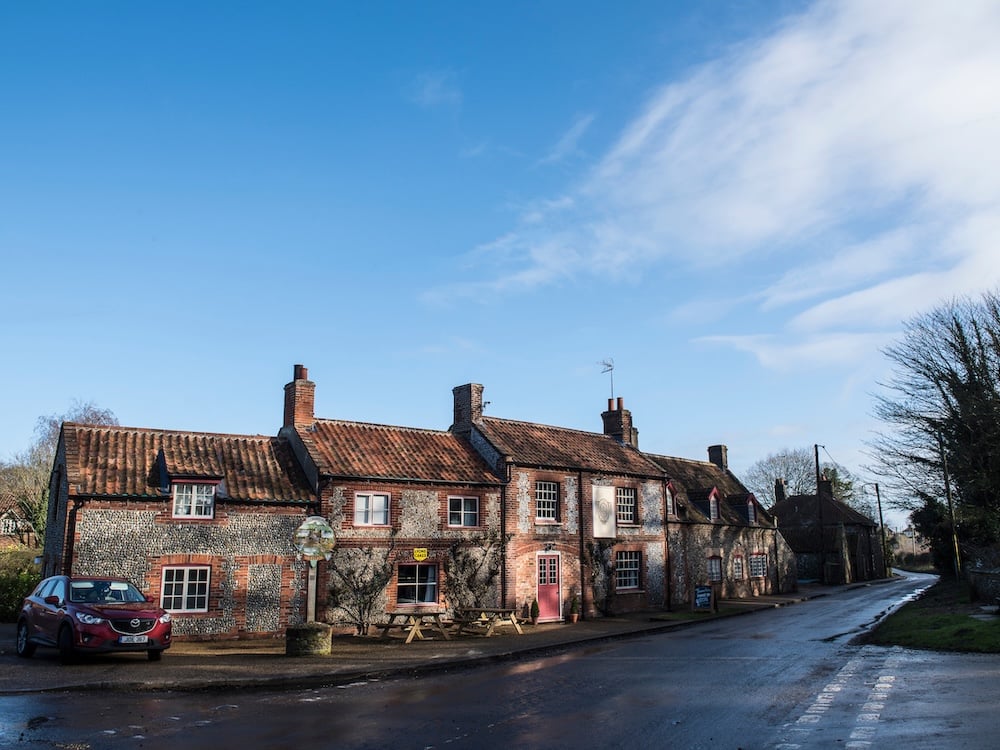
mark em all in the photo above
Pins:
pixel 548 588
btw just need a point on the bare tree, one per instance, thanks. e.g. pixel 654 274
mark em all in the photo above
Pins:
pixel 358 580
pixel 795 466
pixel 941 410
pixel 474 565
pixel 26 477
pixel 601 561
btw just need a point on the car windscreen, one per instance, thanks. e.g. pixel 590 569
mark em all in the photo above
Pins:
pixel 103 592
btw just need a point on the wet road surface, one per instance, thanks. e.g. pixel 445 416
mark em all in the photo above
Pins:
pixel 779 679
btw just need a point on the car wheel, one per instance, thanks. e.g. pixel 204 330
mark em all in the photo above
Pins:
pixel 66 653
pixel 154 654
pixel 25 648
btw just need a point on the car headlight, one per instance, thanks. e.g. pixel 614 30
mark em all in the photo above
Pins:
pixel 165 618
pixel 88 619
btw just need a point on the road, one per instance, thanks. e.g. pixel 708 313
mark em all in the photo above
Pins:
pixel 778 680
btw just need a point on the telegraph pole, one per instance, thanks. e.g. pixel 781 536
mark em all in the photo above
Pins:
pixel 819 506
pixel 886 569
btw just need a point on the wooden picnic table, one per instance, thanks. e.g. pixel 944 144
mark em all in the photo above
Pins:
pixel 489 618
pixel 414 620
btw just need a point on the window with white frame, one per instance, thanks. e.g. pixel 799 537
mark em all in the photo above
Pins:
pixel 670 503
pixel 739 572
pixel 713 507
pixel 463 511
pixel 416 584
pixel 9 525
pixel 546 501
pixel 758 566
pixel 751 512
pixel 185 589
pixel 193 500
pixel 625 503
pixel 715 569
pixel 628 563
pixel 371 509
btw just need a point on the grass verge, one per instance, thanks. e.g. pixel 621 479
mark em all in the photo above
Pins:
pixel 943 619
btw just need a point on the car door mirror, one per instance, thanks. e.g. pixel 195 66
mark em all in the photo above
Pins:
pixel 52 599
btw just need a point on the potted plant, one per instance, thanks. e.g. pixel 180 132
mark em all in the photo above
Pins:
pixel 574 608
pixel 534 611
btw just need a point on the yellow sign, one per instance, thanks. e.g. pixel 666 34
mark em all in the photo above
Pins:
pixel 420 553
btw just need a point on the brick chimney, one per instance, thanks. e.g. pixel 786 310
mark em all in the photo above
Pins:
pixel 826 487
pixel 468 407
pixel 618 423
pixel 780 490
pixel 300 399
pixel 719 455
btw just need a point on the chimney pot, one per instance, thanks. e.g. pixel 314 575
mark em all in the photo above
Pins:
pixel 618 424
pixel 621 403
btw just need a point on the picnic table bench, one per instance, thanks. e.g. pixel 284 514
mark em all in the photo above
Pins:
pixel 414 620
pixel 487 619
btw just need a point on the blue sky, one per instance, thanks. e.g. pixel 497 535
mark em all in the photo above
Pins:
pixel 737 202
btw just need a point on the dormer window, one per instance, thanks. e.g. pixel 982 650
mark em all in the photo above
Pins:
pixel 193 500
pixel 713 507
pixel 751 512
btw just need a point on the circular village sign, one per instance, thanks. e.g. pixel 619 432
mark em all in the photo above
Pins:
pixel 314 539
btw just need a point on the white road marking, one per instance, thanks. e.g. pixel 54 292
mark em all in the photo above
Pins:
pixel 869 713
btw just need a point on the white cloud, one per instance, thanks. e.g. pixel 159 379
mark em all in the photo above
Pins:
pixel 789 354
pixel 436 88
pixel 845 267
pixel 568 144
pixel 854 150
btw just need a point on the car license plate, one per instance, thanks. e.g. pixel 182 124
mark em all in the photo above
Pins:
pixel 133 639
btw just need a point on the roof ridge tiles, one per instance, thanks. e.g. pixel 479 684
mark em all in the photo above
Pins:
pixel 378 425
pixel 578 430
pixel 162 431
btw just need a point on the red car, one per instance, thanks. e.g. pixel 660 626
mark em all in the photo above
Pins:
pixel 89 615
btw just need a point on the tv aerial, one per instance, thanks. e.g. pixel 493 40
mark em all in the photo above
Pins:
pixel 608 365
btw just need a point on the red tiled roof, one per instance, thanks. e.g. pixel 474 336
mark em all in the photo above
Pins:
pixel 699 475
pixel 8 503
pixel 359 449
pixel 803 509
pixel 530 444
pixel 124 461
pixel 694 481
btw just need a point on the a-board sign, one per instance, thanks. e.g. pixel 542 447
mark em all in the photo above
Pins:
pixel 703 597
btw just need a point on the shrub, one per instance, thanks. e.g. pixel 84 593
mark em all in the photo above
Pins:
pixel 18 576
